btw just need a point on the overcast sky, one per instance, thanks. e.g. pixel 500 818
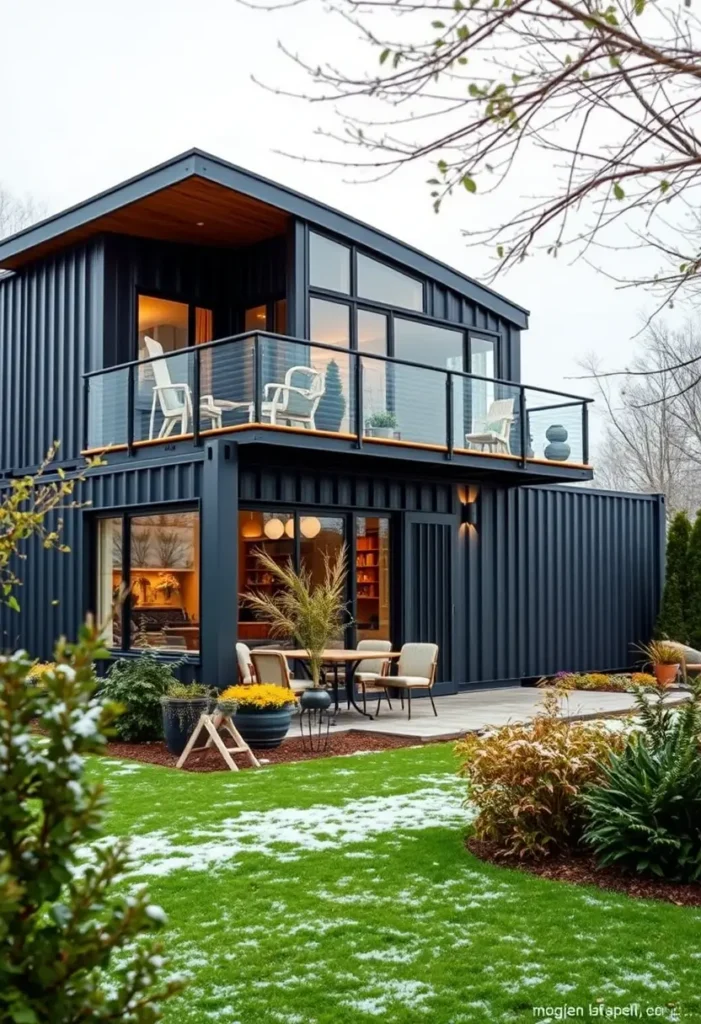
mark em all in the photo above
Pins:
pixel 97 92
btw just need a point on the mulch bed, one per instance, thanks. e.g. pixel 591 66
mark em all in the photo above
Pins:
pixel 291 749
pixel 581 869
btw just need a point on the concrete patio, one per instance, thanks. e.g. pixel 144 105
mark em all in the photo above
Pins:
pixel 473 710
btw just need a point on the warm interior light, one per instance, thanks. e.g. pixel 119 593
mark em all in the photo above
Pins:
pixel 200 223
pixel 290 527
pixel 260 316
pixel 250 527
pixel 274 529
pixel 309 526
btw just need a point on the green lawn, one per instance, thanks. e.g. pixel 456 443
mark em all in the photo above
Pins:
pixel 340 891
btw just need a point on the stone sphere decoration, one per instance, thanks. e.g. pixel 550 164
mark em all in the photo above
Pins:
pixel 558 450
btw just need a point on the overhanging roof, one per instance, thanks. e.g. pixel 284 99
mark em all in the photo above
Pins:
pixel 196 197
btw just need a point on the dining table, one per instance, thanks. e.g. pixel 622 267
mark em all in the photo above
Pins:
pixel 351 658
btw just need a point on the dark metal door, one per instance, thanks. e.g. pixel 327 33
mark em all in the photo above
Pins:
pixel 429 585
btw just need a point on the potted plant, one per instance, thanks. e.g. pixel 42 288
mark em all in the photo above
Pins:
pixel 182 704
pixel 263 712
pixel 665 659
pixel 382 424
pixel 310 614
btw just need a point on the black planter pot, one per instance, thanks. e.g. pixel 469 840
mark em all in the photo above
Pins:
pixel 179 719
pixel 315 700
pixel 263 728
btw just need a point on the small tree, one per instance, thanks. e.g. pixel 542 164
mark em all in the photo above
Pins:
pixel 60 923
pixel 332 406
pixel 309 613
pixel 693 603
pixel 672 621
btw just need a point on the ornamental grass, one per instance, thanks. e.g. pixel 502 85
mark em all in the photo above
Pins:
pixel 258 697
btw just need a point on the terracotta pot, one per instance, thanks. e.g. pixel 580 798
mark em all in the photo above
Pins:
pixel 666 674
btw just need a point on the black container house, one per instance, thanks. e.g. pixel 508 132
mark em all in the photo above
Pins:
pixel 265 372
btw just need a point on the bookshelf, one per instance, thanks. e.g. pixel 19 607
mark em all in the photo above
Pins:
pixel 371 582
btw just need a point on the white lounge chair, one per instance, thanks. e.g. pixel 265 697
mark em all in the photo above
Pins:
pixel 296 400
pixel 243 657
pixel 175 399
pixel 495 431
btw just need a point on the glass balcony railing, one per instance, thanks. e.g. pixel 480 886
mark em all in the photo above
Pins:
pixel 273 382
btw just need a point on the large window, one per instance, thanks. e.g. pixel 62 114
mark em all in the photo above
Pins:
pixel 172 325
pixel 329 264
pixel 155 560
pixel 385 284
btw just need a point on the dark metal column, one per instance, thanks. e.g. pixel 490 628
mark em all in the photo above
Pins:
pixel 219 560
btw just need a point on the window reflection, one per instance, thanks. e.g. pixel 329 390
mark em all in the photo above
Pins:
pixel 109 579
pixel 329 264
pixel 385 284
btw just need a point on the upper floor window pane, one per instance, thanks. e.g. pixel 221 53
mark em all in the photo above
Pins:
pixel 425 343
pixel 483 356
pixel 384 284
pixel 163 321
pixel 329 264
pixel 330 323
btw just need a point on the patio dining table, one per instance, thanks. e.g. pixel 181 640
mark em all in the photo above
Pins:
pixel 351 658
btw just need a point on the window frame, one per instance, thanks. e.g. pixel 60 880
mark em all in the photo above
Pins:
pixel 126 513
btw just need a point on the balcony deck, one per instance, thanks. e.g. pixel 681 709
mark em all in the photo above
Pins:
pixel 272 389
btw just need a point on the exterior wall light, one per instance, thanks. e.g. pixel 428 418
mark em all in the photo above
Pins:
pixel 469 513
pixel 274 529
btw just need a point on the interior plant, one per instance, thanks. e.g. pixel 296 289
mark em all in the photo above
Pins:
pixel 312 614
pixel 72 946
pixel 167 584
pixel 332 405
pixel 181 706
pixel 672 619
pixel 644 814
pixel 526 779
pixel 263 712
pixel 137 685
pixel 665 659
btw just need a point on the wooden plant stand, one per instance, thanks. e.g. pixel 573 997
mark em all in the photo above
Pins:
pixel 211 724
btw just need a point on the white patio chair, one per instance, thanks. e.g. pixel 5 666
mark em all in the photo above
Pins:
pixel 175 399
pixel 495 431
pixel 369 668
pixel 243 658
pixel 296 400
pixel 416 670
pixel 271 667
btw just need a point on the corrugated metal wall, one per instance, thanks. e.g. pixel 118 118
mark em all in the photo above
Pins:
pixel 49 317
pixel 559 578
pixel 448 305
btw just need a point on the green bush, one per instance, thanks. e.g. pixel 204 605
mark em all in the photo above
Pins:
pixel 645 813
pixel 138 684
pixel 61 921
pixel 672 622
pixel 526 779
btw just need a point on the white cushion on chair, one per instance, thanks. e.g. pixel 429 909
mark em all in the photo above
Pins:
pixel 417 660
pixel 406 681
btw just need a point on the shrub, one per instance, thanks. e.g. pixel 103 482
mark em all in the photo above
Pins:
pixel 645 813
pixel 188 691
pixel 137 684
pixel 61 922
pixel 672 621
pixel 38 670
pixel 525 780
pixel 619 683
pixel 258 697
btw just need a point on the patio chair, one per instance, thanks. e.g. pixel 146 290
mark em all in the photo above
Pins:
pixel 495 431
pixel 271 667
pixel 175 399
pixel 243 658
pixel 416 670
pixel 369 668
pixel 296 400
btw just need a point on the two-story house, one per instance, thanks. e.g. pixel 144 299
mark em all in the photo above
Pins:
pixel 265 372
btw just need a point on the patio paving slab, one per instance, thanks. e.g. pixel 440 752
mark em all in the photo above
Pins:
pixel 473 710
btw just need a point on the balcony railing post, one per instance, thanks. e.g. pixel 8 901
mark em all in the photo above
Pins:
pixel 523 424
pixel 257 379
pixel 196 398
pixel 585 433
pixel 358 379
pixel 449 428
pixel 130 409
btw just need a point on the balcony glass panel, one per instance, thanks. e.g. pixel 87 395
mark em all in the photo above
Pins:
pixel 490 418
pixel 305 386
pixel 555 427
pixel 163 403
pixel 413 408
pixel 226 385
pixel 108 414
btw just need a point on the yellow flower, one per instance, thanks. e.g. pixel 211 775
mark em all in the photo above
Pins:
pixel 259 696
